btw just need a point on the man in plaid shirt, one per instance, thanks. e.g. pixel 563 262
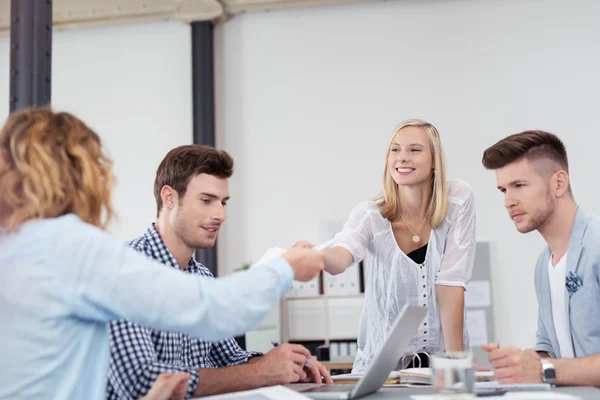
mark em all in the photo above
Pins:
pixel 191 191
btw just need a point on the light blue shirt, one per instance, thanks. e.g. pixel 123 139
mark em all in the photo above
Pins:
pixel 61 280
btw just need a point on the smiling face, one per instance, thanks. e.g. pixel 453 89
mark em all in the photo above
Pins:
pixel 198 215
pixel 410 158
pixel 527 194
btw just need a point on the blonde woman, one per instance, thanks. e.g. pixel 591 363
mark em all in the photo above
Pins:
pixel 62 278
pixel 420 235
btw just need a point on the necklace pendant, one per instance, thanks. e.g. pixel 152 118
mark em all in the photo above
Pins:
pixel 416 238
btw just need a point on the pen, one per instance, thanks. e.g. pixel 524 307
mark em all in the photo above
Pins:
pixel 497 392
pixel 306 364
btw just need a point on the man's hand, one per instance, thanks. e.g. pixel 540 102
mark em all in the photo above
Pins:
pixel 513 365
pixel 306 263
pixel 169 386
pixel 282 365
pixel 317 373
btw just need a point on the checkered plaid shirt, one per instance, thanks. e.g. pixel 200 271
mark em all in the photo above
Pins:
pixel 139 355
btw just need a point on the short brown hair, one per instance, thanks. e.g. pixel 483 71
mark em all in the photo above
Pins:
pixel 533 145
pixel 52 164
pixel 184 162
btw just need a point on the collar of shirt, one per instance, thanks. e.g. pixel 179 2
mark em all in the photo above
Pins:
pixel 160 252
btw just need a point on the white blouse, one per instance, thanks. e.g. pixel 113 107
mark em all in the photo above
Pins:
pixel 393 279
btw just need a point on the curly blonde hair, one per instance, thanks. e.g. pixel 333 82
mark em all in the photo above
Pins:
pixel 52 164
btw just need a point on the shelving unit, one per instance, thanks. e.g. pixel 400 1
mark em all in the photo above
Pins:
pixel 285 317
pixel 316 321
pixel 326 319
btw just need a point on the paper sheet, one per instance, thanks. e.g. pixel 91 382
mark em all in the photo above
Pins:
pixel 268 393
pixel 269 255
pixel 477 327
pixel 478 294
pixel 275 252
pixel 325 245
pixel 349 377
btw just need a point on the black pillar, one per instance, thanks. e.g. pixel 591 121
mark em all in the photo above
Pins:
pixel 203 82
pixel 203 102
pixel 30 53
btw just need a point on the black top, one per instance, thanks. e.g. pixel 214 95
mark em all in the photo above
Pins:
pixel 419 254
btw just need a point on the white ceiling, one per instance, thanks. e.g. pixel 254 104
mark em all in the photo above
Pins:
pixel 78 13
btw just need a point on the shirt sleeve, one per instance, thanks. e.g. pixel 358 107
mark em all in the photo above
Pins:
pixel 459 255
pixel 134 364
pixel 357 232
pixel 101 279
pixel 542 338
pixel 227 353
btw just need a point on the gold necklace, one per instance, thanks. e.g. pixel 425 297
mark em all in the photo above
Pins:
pixel 416 238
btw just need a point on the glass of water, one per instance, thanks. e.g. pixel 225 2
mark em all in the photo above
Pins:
pixel 454 375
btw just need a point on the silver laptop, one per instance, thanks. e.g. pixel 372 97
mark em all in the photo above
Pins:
pixel 404 328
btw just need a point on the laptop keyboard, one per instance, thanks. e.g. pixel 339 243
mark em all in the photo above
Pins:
pixel 342 387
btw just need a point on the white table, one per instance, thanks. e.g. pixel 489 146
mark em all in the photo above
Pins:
pixel 400 393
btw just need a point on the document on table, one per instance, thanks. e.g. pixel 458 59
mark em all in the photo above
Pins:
pixel 268 393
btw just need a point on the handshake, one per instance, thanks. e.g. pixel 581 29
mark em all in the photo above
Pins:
pixel 305 261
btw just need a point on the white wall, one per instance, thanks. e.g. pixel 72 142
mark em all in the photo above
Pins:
pixel 307 100
pixel 132 84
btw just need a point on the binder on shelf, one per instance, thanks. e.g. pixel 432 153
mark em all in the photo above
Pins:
pixel 344 351
pixel 305 289
pixel 353 348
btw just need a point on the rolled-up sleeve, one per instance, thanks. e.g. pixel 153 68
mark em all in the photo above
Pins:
pixel 356 233
pixel 227 353
pixel 543 340
pixel 459 255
